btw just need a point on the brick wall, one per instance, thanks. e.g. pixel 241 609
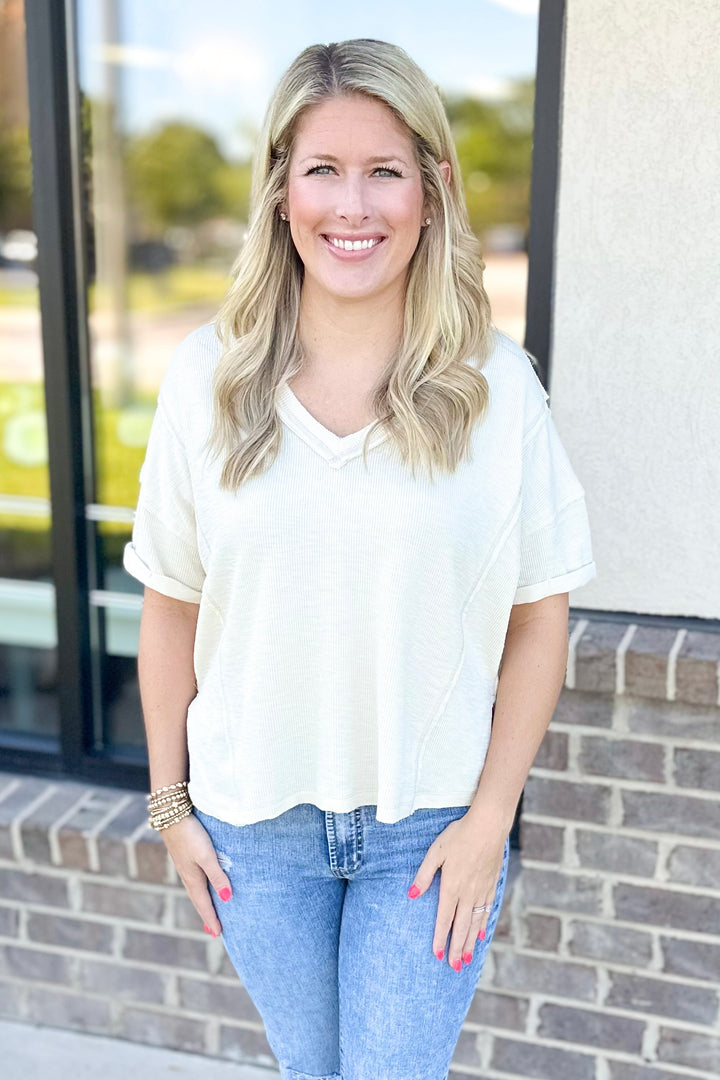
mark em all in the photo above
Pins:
pixel 97 932
pixel 606 962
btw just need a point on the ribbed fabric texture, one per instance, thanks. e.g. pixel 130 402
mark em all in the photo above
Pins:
pixel 351 620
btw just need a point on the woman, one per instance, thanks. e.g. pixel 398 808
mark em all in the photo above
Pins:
pixel 354 505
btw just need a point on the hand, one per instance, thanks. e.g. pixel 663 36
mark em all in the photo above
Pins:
pixel 196 861
pixel 471 862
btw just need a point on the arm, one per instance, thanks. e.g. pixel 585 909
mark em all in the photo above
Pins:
pixel 532 674
pixel 470 850
pixel 166 675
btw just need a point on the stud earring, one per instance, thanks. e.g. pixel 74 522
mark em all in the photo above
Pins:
pixel 428 220
pixel 283 216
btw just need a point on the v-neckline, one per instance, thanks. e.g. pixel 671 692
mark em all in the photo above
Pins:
pixel 336 449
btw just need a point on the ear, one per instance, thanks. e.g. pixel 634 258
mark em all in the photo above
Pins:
pixel 446 170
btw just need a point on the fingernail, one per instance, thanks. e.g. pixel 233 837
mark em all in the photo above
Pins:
pixel 467 957
pixel 413 891
pixel 225 893
pixel 206 928
pixel 457 964
pixel 440 953
pixel 481 935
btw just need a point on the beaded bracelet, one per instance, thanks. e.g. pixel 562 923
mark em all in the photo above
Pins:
pixel 169 804
pixel 168 787
pixel 159 825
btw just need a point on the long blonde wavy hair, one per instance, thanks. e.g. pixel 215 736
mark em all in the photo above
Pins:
pixel 432 392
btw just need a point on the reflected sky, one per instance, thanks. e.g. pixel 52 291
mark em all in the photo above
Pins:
pixel 216 63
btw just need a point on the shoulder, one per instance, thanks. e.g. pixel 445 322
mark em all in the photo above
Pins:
pixel 188 376
pixel 515 385
pixel 509 363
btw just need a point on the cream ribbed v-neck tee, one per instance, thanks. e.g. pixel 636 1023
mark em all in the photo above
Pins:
pixel 351 620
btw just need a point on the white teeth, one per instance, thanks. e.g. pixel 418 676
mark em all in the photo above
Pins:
pixel 352 245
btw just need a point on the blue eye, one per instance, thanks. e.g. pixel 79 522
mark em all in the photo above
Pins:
pixel 380 168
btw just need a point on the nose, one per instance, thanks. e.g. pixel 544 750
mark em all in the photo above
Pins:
pixel 352 198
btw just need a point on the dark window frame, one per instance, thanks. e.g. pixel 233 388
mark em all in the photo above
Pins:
pixel 547 121
pixel 59 222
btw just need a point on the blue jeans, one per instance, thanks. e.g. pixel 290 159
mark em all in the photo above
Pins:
pixel 335 956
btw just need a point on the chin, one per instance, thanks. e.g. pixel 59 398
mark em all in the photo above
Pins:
pixel 357 292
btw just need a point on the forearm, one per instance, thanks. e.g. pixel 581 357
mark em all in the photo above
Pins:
pixel 166 676
pixel 531 677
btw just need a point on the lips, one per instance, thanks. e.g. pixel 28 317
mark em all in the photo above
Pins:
pixel 333 236
pixel 352 254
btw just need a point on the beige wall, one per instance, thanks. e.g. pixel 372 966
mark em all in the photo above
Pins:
pixel 635 379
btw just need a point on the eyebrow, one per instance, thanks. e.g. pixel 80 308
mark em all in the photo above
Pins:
pixel 370 161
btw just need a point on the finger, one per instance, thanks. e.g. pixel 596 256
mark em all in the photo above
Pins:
pixel 196 886
pixel 477 931
pixel 425 874
pixel 459 953
pixel 447 905
pixel 216 875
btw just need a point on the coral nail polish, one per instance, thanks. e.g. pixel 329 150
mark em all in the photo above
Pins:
pixel 467 957
pixel 440 953
pixel 481 935
pixel 206 928
pixel 225 893
pixel 457 964
pixel 413 891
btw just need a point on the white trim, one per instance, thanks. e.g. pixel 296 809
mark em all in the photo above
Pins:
pixel 671 677
pixel 620 658
pixel 100 512
pixel 24 505
pixel 166 585
pixel 107 598
pixel 527 594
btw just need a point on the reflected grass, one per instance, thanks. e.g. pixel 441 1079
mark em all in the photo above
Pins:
pixel 23 438
pixel 21 473
pixel 168 290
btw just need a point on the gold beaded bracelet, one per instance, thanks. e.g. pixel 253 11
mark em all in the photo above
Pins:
pixel 158 826
pixel 169 804
pixel 167 787
pixel 163 819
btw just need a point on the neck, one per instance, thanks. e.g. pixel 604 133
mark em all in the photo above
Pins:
pixel 348 336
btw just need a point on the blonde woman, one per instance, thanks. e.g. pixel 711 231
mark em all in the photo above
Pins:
pixel 354 505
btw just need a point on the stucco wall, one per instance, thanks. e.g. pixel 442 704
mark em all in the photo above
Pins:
pixel 635 369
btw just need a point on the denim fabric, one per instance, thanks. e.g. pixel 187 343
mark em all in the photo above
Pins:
pixel 334 954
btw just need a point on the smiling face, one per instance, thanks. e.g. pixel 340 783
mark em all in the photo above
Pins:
pixel 354 177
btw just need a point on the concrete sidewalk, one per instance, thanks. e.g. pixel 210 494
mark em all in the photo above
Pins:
pixel 35 1052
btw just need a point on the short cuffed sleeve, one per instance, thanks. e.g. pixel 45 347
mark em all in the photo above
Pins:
pixel 163 552
pixel 556 553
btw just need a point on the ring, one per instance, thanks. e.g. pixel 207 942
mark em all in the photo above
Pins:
pixel 483 907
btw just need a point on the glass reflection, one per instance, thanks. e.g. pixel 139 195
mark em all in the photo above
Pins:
pixel 28 658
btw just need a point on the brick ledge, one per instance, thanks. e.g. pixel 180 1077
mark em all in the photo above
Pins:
pixel 656 662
